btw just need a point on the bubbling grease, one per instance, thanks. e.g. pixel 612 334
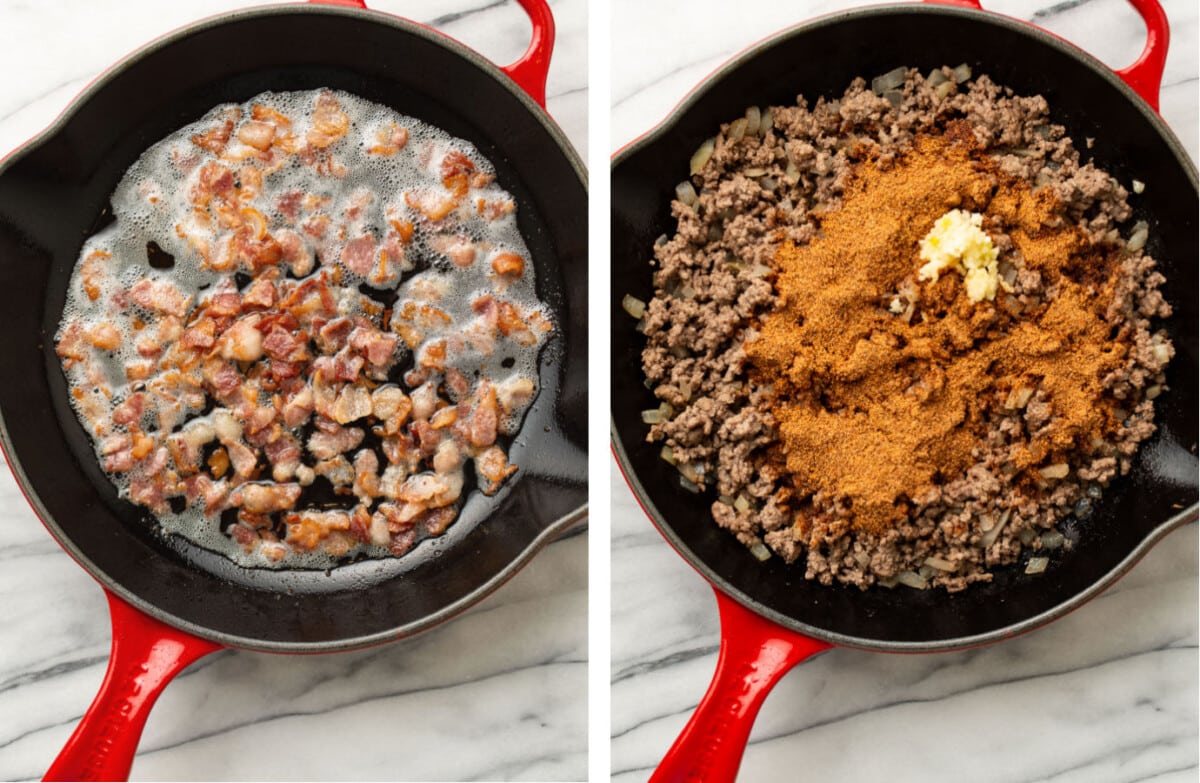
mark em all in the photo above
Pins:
pixel 364 194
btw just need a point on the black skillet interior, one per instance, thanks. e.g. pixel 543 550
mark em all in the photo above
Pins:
pixel 51 198
pixel 821 59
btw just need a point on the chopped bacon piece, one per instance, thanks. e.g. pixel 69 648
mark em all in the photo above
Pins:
pixel 242 341
pixel 130 410
pixel 508 265
pixel 431 205
pixel 427 436
pixel 149 493
pixel 288 204
pixel 261 293
pixel 93 271
pixel 390 139
pixel 298 408
pixel 378 347
pixel 119 462
pixel 308 528
pixel 494 210
pixel 347 366
pixel 484 419
pixel 214 139
pixel 105 336
pixel 325 445
pixel 359 255
pixel 242 458
pixel 159 295
pixel 330 123
pixel 295 252
pixel 201 335
pixel 157 461
pixel 265 498
pixel 214 180
pixel 282 345
pixel 456 169
pixel 332 336
pixel 436 520
pixel 221 376
pixel 493 469
pixel 457 384
pixel 352 403
pixel 258 135
pixel 223 304
pixel 267 114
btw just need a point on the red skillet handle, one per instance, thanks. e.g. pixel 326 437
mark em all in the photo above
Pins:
pixel 755 653
pixel 529 71
pixel 1144 76
pixel 146 654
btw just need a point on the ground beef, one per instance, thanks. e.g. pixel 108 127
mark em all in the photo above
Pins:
pixel 712 286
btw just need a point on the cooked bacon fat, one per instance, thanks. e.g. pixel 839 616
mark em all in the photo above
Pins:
pixel 310 317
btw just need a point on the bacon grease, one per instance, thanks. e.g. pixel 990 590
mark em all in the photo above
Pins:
pixel 364 195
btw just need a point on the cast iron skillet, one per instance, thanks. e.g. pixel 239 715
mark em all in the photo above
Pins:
pixel 771 616
pixel 173 602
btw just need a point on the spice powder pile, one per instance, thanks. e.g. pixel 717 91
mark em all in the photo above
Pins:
pixel 874 406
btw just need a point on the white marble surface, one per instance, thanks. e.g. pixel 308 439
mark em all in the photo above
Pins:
pixel 1107 694
pixel 499 693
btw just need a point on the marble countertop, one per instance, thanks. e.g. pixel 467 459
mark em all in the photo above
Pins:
pixel 1107 694
pixel 498 693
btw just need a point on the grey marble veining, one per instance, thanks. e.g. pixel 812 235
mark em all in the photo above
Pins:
pixel 498 693
pixel 1107 694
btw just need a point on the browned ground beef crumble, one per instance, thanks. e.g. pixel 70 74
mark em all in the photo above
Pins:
pixel 712 287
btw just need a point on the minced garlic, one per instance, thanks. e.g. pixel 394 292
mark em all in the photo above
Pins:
pixel 958 242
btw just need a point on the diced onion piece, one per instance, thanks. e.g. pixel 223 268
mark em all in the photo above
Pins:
pixel 652 416
pixel 760 552
pixel 690 486
pixel 1139 186
pixel 767 121
pixel 666 410
pixel 1026 536
pixel 725 499
pixel 702 155
pixel 1141 232
pixel 737 129
pixel 962 73
pixel 753 120
pixel 686 193
pixel 689 472
pixel 741 504
pixel 686 292
pixel 863 559
pixel 935 77
pixel 668 455
pixel 1153 392
pixel 1162 352
pixel 634 306
pixel 661 240
pixel 894 97
pixel 989 537
pixel 754 171
pixel 1018 397
pixel 944 89
pixel 940 563
pixel 792 173
pixel 1058 470
pixel 1037 565
pixel 1053 540
pixel 925 572
pixel 768 184
pixel 888 81
pixel 887 581
pixel 685 390
pixel 912 579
